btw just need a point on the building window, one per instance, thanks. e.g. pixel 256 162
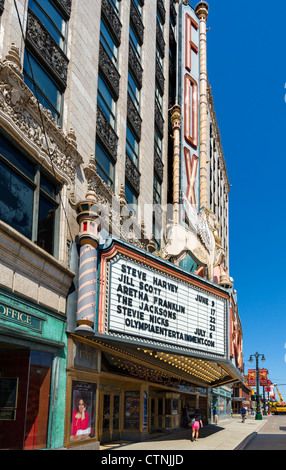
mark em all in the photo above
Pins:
pixel 28 197
pixel 158 143
pixel 108 43
pixel 51 18
pixel 132 146
pixel 105 167
pixel 158 97
pixel 157 190
pixel 134 92
pixel 106 102
pixel 43 86
pixel 134 42
pixel 115 5
pixel 138 6
pixel 41 71
pixel 132 200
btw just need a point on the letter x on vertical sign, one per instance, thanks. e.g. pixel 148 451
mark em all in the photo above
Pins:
pixel 191 168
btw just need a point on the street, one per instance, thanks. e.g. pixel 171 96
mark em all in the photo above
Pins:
pixel 272 436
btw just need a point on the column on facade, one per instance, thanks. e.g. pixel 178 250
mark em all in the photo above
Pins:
pixel 176 128
pixel 88 218
pixel 202 13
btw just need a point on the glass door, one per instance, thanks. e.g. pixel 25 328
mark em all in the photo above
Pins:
pixel 109 423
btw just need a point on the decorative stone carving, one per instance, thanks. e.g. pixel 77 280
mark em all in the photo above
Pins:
pixel 134 117
pixel 158 166
pixel 160 76
pixel 137 22
pixel 109 71
pixel 20 117
pixel 64 6
pixel 159 119
pixel 106 134
pixel 135 66
pixel 112 19
pixel 160 39
pixel 132 174
pixel 161 10
pixel 173 13
pixel 40 39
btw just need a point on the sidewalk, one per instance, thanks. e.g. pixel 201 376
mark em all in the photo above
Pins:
pixel 231 434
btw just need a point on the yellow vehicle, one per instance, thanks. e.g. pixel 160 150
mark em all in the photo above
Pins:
pixel 278 407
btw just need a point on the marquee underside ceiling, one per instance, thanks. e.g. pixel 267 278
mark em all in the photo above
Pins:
pixel 154 365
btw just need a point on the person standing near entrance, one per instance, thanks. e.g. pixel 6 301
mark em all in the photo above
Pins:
pixel 215 415
pixel 196 426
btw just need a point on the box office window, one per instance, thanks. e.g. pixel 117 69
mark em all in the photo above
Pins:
pixel 28 197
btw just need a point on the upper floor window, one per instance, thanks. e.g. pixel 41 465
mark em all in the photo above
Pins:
pixel 108 43
pixel 158 97
pixel 134 42
pixel 134 91
pixel 116 5
pixel 132 200
pixel 138 6
pixel 105 167
pixel 43 86
pixel 106 102
pixel 51 19
pixel 158 143
pixel 28 197
pixel 42 73
pixel 132 146
pixel 156 190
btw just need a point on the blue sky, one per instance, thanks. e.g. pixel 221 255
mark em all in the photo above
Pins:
pixel 247 72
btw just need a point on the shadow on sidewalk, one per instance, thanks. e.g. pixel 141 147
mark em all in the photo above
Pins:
pixel 206 431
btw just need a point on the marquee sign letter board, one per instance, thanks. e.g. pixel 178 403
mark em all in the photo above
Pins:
pixel 154 307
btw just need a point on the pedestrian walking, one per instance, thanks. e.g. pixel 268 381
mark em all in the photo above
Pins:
pixel 196 426
pixel 243 414
pixel 215 415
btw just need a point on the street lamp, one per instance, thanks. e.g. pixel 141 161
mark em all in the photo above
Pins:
pixel 258 411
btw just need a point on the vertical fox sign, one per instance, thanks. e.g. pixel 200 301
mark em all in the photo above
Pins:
pixel 188 96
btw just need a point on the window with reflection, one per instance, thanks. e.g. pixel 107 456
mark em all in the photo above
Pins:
pixel 132 146
pixel 28 197
pixel 106 102
pixel 39 77
pixel 108 42
pixel 104 165
pixel 132 200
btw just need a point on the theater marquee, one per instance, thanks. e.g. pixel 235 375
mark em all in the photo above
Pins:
pixel 146 301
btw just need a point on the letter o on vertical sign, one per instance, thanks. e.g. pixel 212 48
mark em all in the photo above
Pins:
pixel 191 111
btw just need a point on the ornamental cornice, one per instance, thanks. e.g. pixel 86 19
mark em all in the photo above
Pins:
pixel 23 118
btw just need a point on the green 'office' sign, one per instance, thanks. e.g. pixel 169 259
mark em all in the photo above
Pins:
pixel 18 316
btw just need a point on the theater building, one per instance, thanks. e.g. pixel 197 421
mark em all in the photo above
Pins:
pixel 117 309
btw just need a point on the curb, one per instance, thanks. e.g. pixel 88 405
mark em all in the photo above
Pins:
pixel 249 438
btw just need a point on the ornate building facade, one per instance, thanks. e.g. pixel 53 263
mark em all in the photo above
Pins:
pixel 115 294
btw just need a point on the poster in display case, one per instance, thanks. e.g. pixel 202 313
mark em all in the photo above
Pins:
pixel 82 424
